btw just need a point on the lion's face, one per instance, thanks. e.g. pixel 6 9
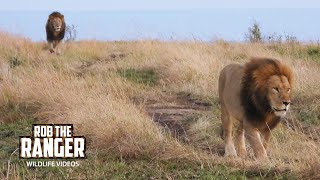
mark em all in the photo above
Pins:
pixel 56 23
pixel 279 94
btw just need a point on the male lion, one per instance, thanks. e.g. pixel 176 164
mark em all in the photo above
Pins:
pixel 258 96
pixel 55 29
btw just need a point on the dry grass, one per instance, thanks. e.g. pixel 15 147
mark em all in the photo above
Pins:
pixel 82 86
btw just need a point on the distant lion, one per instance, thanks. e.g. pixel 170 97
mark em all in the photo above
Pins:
pixel 258 95
pixel 55 29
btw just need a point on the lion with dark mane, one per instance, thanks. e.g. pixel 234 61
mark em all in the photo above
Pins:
pixel 55 29
pixel 258 95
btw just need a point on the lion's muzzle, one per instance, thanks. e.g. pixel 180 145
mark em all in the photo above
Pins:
pixel 57 29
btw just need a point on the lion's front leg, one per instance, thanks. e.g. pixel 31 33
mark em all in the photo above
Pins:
pixel 240 141
pixel 267 136
pixel 227 133
pixel 256 143
pixel 51 46
pixel 56 43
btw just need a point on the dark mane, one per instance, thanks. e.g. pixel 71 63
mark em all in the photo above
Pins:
pixel 254 88
pixel 56 14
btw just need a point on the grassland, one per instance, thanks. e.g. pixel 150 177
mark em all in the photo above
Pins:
pixel 149 109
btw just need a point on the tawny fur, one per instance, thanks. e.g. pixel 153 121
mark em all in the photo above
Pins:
pixel 257 95
pixel 54 37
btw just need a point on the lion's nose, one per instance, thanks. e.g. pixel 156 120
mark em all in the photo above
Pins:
pixel 286 103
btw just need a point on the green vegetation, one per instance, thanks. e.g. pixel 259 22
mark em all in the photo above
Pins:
pixel 14 61
pixel 310 117
pixel 9 135
pixel 309 52
pixel 143 76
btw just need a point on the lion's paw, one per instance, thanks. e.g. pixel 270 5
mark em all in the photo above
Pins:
pixel 230 151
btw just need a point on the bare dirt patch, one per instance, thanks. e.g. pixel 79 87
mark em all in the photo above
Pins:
pixel 177 112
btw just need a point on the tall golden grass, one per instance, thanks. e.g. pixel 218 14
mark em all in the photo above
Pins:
pixel 82 86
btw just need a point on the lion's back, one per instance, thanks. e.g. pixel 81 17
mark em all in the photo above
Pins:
pixel 229 89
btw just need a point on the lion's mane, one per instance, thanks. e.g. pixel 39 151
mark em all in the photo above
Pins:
pixel 254 88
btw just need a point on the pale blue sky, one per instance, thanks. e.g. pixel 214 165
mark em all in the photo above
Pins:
pixel 151 4
pixel 166 19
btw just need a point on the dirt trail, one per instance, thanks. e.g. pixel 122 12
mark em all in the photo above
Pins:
pixel 178 113
pixel 175 114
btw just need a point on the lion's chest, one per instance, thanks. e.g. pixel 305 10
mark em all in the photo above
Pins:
pixel 56 34
pixel 270 122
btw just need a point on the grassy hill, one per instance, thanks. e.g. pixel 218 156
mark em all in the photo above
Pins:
pixel 149 109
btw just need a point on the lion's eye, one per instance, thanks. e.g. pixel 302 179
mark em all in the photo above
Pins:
pixel 275 89
pixel 289 90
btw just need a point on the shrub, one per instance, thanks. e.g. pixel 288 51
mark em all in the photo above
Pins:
pixel 71 33
pixel 254 35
